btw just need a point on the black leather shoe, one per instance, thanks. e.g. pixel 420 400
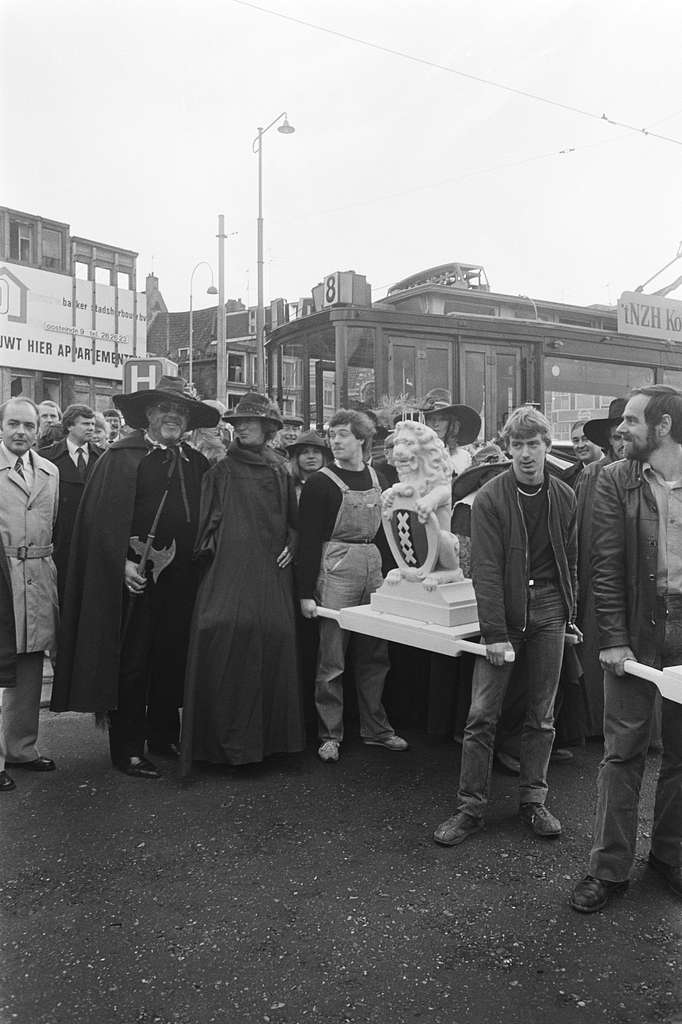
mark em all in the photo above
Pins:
pixel 164 749
pixel 139 767
pixel 39 764
pixel 592 894
pixel 670 873
pixel 6 783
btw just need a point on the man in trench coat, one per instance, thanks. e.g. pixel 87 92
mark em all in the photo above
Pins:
pixel 28 509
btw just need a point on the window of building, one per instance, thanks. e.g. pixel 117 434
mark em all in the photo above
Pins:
pixel 291 372
pixel 21 386
pixel 236 367
pixel 102 275
pixel 51 242
pixel 123 280
pixel 52 390
pixel 80 270
pixel 21 241
pixel 183 353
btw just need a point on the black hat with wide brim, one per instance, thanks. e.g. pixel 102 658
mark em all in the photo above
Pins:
pixel 169 389
pixel 597 431
pixel 469 420
pixel 256 407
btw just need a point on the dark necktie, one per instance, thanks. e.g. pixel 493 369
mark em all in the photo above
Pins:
pixel 19 468
pixel 81 464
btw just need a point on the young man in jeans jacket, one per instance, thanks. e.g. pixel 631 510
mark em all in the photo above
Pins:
pixel 523 560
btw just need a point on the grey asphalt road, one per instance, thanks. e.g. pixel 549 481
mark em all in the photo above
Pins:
pixel 302 892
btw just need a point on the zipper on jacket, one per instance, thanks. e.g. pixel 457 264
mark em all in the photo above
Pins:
pixel 525 533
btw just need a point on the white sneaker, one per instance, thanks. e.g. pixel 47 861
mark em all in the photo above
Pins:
pixel 328 751
pixel 390 742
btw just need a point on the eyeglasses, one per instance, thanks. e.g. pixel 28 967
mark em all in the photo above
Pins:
pixel 170 407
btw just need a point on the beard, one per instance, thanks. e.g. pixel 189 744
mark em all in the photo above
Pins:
pixel 640 451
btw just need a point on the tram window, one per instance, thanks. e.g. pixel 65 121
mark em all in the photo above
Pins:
pixel 403 365
pixel 474 384
pixel 582 389
pixel 673 378
pixel 436 368
pixel 360 384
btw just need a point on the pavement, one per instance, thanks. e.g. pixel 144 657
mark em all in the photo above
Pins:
pixel 297 891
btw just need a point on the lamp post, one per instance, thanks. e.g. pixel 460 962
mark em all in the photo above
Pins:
pixel 211 290
pixel 285 129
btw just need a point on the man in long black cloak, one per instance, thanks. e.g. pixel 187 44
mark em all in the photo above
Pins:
pixel 125 625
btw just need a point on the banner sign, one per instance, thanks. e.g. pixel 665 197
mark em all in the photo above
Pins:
pixel 649 316
pixel 61 324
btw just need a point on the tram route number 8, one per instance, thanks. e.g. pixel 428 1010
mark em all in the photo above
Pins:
pixel 331 289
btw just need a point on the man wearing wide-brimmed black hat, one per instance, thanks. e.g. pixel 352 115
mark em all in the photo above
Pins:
pixel 131 581
pixel 456 426
pixel 242 692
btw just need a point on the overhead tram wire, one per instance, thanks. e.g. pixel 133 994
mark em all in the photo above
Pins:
pixel 456 71
pixel 386 197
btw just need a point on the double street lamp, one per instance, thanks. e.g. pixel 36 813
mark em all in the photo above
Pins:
pixel 211 290
pixel 285 129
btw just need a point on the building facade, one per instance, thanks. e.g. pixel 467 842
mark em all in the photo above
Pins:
pixel 70 314
pixel 168 335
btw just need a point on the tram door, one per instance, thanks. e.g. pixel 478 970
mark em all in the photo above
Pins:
pixel 416 366
pixel 491 382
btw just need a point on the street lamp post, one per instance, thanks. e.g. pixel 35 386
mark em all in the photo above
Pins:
pixel 285 129
pixel 211 290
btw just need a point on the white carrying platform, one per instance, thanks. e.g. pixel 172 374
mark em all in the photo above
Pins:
pixel 448 604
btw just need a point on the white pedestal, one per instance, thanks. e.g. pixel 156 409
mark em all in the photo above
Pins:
pixel 448 604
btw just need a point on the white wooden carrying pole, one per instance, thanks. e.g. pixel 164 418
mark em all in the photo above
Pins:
pixel 450 640
pixel 668 680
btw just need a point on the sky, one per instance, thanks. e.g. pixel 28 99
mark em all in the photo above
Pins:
pixel 133 121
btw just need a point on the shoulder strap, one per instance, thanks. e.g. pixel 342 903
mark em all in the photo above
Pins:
pixel 343 487
pixel 375 478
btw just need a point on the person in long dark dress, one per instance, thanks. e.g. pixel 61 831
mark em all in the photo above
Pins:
pixel 242 692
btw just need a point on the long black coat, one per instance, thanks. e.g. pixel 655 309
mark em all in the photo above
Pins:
pixel 8 639
pixel 88 656
pixel 242 691
pixel 70 494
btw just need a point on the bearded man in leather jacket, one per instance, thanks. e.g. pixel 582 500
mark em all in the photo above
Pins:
pixel 637 584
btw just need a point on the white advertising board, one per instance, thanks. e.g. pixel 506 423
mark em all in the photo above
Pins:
pixel 650 316
pixel 60 324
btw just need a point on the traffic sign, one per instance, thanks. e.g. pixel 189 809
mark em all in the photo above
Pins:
pixel 144 374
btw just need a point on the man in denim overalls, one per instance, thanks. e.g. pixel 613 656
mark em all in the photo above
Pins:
pixel 339 566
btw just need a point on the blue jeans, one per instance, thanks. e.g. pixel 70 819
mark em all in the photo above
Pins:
pixel 628 708
pixel 543 640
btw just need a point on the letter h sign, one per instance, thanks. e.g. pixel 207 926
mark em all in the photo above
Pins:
pixel 141 374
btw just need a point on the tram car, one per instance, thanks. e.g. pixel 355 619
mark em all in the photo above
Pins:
pixel 445 328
